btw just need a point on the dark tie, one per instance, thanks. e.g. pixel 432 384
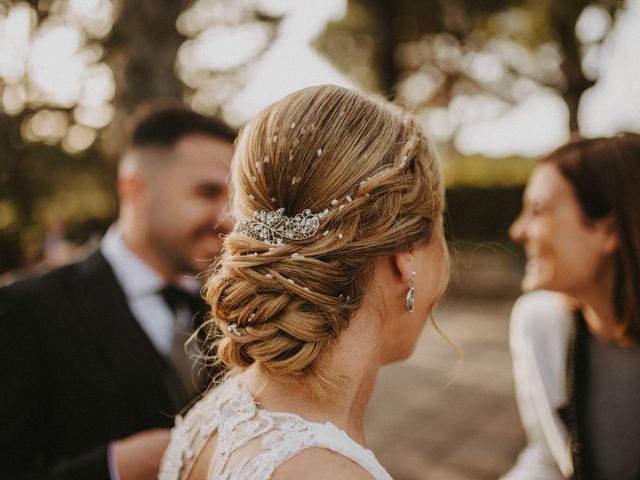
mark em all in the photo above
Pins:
pixel 177 298
pixel 185 378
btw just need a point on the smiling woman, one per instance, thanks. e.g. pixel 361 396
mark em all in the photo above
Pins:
pixel 580 228
pixel 551 226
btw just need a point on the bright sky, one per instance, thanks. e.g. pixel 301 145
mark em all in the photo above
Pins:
pixel 613 104
pixel 539 124
pixel 291 63
pixel 535 126
pixel 65 69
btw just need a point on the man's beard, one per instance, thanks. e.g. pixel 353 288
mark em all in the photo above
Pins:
pixel 178 254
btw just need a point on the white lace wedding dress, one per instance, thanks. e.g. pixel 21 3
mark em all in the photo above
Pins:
pixel 252 442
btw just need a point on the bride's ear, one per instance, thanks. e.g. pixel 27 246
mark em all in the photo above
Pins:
pixel 392 273
pixel 403 265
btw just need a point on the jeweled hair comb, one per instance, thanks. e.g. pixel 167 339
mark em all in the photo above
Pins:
pixel 275 227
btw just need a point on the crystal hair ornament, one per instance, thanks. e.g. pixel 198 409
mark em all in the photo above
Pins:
pixel 273 228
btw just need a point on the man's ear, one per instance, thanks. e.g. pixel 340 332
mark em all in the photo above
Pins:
pixel 131 187
pixel 610 241
pixel 133 177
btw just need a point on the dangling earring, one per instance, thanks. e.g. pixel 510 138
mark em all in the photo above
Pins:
pixel 410 293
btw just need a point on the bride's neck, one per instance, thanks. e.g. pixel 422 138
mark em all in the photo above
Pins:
pixel 355 360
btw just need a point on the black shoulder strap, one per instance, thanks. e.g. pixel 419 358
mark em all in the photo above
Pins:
pixel 573 412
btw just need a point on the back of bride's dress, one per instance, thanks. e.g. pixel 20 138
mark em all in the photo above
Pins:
pixel 251 442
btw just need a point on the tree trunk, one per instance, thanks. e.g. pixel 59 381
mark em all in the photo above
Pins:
pixel 389 69
pixel 564 16
pixel 142 52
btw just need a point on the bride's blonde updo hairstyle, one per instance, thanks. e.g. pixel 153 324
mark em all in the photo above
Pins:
pixel 368 167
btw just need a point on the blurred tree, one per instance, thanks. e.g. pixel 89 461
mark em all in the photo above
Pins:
pixel 240 32
pixel 72 70
pixel 141 52
pixel 456 62
pixel 55 95
pixel 40 184
pixel 575 43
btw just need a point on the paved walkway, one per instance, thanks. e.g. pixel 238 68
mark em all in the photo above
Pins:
pixel 439 417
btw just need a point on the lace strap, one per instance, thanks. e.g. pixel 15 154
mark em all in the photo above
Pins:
pixel 316 435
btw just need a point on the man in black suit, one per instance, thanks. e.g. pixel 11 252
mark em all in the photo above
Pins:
pixel 92 364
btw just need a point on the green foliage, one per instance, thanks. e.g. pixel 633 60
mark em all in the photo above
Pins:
pixel 476 214
pixel 41 184
pixel 484 172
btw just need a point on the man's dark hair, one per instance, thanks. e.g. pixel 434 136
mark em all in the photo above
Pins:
pixel 163 125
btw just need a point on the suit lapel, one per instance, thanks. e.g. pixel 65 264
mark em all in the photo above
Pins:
pixel 125 347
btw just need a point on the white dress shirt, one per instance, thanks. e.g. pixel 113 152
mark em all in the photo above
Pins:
pixel 142 285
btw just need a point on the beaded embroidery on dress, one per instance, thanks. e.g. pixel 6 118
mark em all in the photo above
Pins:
pixel 252 442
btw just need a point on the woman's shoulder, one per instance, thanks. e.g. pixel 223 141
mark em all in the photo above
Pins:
pixel 321 464
pixel 540 313
pixel 541 325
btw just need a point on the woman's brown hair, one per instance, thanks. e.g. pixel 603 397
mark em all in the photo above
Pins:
pixel 368 167
pixel 605 175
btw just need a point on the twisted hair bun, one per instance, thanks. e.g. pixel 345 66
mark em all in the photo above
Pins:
pixel 376 178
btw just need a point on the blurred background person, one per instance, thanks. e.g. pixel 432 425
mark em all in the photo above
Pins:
pixel 56 248
pixel 92 363
pixel 576 349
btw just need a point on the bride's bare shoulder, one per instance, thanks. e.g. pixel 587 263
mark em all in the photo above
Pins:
pixel 320 464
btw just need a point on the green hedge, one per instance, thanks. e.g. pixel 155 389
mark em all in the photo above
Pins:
pixel 481 214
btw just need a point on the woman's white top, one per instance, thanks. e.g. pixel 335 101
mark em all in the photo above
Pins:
pixel 252 442
pixel 541 326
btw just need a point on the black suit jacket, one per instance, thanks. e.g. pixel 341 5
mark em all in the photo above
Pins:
pixel 76 372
